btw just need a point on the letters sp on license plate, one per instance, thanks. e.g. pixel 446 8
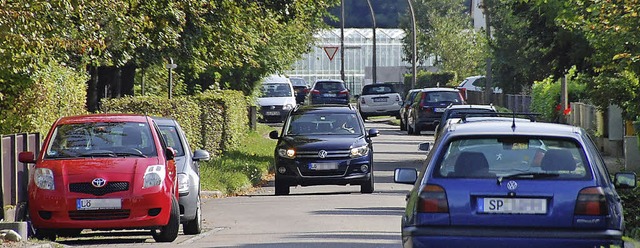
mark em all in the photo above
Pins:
pixel 94 204
pixel 512 205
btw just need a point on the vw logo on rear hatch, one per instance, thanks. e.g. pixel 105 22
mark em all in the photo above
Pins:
pixel 512 185
pixel 322 154
pixel 99 182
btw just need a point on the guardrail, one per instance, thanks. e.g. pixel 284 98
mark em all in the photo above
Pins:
pixel 14 176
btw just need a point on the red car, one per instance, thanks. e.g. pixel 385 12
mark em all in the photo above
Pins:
pixel 103 171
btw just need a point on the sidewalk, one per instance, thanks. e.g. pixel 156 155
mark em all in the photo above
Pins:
pixel 614 164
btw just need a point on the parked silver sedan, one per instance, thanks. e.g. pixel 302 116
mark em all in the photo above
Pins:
pixel 188 174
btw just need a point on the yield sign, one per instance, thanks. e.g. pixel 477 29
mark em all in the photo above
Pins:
pixel 331 51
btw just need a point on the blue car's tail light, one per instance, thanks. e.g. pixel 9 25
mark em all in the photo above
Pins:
pixel 591 201
pixel 433 199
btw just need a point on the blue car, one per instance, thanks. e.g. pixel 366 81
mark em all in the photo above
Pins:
pixel 498 182
pixel 328 91
pixel 324 145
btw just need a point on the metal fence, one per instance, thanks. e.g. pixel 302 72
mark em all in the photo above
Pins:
pixel 14 175
pixel 516 103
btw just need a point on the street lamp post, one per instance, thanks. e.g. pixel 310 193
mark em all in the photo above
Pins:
pixel 170 66
pixel 373 68
pixel 414 45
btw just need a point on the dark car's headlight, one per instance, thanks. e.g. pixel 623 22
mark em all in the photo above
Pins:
pixel 287 153
pixel 359 151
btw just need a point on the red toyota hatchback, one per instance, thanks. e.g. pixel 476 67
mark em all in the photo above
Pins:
pixel 103 171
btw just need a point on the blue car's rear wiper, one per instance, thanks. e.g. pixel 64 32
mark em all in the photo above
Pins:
pixel 533 175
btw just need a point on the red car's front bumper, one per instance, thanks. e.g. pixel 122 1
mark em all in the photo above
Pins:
pixel 145 208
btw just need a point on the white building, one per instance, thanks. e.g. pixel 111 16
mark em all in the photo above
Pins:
pixel 324 60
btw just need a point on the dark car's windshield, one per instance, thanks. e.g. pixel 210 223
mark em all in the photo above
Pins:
pixel 276 90
pixel 101 139
pixel 324 124
pixel 508 157
pixel 170 134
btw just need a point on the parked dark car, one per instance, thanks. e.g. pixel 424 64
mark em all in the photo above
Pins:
pixel 324 145
pixel 328 91
pixel 498 182
pixel 188 174
pixel 301 88
pixel 404 109
pixel 428 106
pixel 453 113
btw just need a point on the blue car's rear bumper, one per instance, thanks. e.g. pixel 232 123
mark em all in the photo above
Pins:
pixel 508 237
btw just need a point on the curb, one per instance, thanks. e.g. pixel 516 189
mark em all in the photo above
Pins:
pixel 211 194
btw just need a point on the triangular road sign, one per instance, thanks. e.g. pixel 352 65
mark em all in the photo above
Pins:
pixel 331 51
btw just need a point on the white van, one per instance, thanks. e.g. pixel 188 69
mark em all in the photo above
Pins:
pixel 277 98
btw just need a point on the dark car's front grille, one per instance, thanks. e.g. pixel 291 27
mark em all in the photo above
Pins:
pixel 103 214
pixel 87 188
pixel 305 172
pixel 329 154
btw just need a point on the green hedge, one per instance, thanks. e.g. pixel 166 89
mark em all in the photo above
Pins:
pixel 426 79
pixel 545 96
pixel 215 120
pixel 32 103
pixel 183 109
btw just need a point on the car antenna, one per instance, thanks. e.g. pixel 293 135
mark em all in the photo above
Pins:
pixel 513 123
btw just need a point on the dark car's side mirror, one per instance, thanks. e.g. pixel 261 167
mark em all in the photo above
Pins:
pixel 170 153
pixel 273 134
pixel 625 180
pixel 201 155
pixel 405 175
pixel 424 146
pixel 27 157
pixel 373 132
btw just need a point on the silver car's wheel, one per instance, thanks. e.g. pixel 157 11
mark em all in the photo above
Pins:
pixel 194 226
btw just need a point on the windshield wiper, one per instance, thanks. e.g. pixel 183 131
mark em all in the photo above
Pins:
pixel 533 175
pixel 98 154
pixel 131 154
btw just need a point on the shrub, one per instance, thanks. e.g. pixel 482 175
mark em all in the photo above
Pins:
pixel 51 91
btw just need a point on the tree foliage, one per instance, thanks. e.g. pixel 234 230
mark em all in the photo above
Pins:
pixel 445 33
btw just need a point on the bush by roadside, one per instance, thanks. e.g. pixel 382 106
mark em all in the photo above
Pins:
pixel 241 168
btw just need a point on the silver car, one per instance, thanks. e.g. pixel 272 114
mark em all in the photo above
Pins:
pixel 188 174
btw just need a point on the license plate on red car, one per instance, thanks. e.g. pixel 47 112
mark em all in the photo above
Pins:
pixel 512 205
pixel 95 204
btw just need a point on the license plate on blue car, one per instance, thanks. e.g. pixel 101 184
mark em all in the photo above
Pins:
pixel 512 205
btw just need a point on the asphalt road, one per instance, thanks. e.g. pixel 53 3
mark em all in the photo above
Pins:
pixel 315 216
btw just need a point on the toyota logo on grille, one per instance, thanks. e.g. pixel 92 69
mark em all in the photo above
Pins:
pixel 512 185
pixel 322 154
pixel 99 182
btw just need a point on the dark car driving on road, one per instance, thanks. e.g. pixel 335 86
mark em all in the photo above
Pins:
pixel 498 182
pixel 428 106
pixel 328 91
pixel 324 145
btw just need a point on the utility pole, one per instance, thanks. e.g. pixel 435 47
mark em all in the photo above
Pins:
pixel 373 68
pixel 342 40
pixel 414 54
pixel 488 83
pixel 171 66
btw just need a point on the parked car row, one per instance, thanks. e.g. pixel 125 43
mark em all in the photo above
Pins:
pixel 115 171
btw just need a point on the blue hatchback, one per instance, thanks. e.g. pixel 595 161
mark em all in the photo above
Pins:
pixel 329 91
pixel 497 182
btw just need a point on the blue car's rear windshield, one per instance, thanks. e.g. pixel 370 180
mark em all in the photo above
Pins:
pixel 508 156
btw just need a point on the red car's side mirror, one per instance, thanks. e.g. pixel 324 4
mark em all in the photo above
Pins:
pixel 27 157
